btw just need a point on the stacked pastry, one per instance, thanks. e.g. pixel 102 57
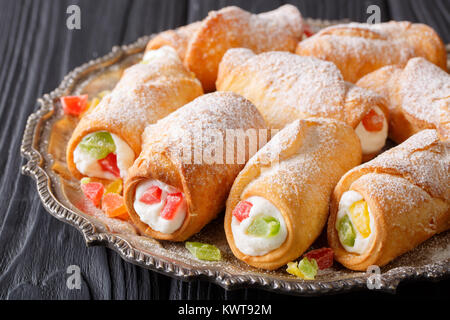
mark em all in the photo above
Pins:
pixel 107 140
pixel 278 204
pixel 418 97
pixel 391 204
pixel 202 45
pixel 284 87
pixel 360 48
pixel 171 143
pixel 172 194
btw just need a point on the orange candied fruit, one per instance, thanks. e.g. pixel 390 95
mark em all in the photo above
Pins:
pixel 373 121
pixel 113 205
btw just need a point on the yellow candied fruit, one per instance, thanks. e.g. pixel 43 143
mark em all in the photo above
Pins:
pixel 91 104
pixel 360 217
pixel 114 187
pixel 102 94
pixel 294 270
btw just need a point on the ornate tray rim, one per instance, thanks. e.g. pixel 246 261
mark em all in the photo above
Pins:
pixel 33 167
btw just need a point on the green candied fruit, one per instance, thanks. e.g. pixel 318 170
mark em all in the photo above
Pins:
pixel 204 251
pixel 308 268
pixel 264 226
pixel 346 231
pixel 98 144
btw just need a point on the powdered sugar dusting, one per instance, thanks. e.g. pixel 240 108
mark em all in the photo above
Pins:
pixel 145 93
pixel 392 188
pixel 425 90
pixel 358 49
pixel 131 91
pixel 289 163
pixel 382 52
pixel 288 84
pixel 205 116
pixel 423 159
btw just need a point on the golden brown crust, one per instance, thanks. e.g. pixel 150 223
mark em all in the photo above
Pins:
pixel 418 97
pixel 358 49
pixel 144 94
pixel 406 189
pixel 296 171
pixel 177 39
pixel 285 87
pixel 232 27
pixel 205 185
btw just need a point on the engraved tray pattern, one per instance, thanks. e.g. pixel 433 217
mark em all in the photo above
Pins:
pixel 430 260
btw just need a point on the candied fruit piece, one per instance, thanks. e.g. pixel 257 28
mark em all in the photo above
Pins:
pixel 114 187
pixel 85 180
pixel 308 268
pixel 242 210
pixel 173 201
pixel 204 251
pixel 93 191
pixel 346 232
pixel 91 105
pixel 102 94
pixel 323 257
pixel 109 164
pixel 292 268
pixel 373 121
pixel 152 195
pixel 113 205
pixel 74 105
pixel 360 217
pixel 307 31
pixel 98 145
pixel 264 226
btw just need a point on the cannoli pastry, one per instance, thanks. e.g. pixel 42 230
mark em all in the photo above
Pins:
pixel 107 139
pixel 278 204
pixel 182 177
pixel 203 45
pixel 284 87
pixel 177 39
pixel 388 206
pixel 359 48
pixel 418 97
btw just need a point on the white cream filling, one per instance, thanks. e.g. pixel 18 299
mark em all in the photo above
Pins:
pixel 361 243
pixel 159 54
pixel 252 245
pixel 150 213
pixel 372 141
pixel 89 166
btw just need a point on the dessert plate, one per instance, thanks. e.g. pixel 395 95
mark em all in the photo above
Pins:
pixel 43 145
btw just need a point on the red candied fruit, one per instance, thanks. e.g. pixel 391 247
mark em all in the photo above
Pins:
pixel 74 105
pixel 323 257
pixel 242 210
pixel 109 163
pixel 152 195
pixel 173 202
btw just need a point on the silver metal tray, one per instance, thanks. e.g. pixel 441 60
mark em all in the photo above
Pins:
pixel 60 197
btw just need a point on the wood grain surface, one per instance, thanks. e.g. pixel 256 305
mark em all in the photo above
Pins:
pixel 36 51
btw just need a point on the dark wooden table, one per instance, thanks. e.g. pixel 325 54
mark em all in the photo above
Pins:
pixel 36 51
